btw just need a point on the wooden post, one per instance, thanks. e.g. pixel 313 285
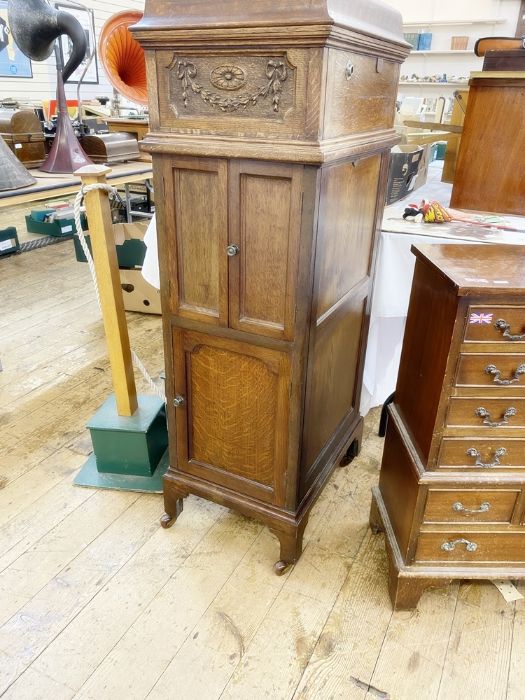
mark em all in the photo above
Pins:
pixel 108 278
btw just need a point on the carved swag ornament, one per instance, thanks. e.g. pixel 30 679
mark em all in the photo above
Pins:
pixel 230 77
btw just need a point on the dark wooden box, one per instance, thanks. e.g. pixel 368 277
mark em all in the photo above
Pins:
pixel 22 131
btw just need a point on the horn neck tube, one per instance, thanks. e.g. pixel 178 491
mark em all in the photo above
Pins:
pixel 36 25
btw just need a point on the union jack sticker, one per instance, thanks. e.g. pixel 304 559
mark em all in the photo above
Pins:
pixel 481 318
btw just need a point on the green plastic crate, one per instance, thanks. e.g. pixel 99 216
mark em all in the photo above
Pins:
pixel 59 229
pixel 130 254
pixel 9 241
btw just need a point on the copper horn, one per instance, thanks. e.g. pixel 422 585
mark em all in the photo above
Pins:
pixel 36 25
pixel 123 57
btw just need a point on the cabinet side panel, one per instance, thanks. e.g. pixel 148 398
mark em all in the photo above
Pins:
pixel 332 379
pixel 398 484
pixel 426 345
pixel 346 229
pixel 361 93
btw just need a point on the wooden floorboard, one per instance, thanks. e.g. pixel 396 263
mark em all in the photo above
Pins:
pixel 97 601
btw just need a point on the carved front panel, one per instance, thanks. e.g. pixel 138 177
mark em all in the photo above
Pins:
pixel 255 86
pixel 238 94
pixel 265 217
pixel 232 428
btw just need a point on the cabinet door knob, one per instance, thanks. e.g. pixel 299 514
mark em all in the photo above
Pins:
pixel 179 401
pixel 232 250
pixel 451 546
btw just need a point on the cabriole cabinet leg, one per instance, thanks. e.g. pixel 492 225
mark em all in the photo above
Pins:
pixel 291 542
pixel 173 506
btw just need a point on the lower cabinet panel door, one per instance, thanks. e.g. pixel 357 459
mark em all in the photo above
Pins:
pixel 232 424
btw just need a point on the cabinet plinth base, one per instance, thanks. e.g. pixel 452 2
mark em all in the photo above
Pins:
pixel 287 526
pixel 407 582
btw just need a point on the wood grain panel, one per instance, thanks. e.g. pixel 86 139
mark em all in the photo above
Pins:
pixel 426 345
pixel 331 386
pixel 265 212
pixel 494 118
pixel 491 546
pixel 440 505
pixel 346 229
pixel 360 94
pixel 232 428
pixel 399 475
pixel 200 229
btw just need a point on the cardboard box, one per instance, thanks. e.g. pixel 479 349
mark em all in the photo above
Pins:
pixel 422 171
pixel 138 294
pixel 129 242
pixel 404 166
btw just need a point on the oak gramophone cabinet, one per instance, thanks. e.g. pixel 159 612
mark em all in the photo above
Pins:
pixel 270 128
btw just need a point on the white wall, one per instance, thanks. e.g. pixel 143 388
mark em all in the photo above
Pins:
pixel 43 84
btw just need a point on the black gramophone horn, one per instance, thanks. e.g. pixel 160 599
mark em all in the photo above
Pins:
pixel 36 25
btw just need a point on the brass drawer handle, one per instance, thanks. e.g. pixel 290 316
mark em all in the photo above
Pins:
pixel 503 326
pixel 483 413
pixel 472 452
pixel 492 369
pixel 451 545
pixel 179 401
pixel 232 250
pixel 460 508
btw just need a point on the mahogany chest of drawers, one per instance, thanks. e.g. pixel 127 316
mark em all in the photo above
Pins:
pixel 451 495
pixel 271 125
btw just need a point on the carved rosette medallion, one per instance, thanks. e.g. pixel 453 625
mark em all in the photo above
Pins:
pixel 262 84
pixel 228 77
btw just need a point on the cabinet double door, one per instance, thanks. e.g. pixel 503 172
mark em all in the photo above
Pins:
pixel 232 235
pixel 233 239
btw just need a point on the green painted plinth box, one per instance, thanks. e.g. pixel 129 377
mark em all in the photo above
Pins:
pixel 130 445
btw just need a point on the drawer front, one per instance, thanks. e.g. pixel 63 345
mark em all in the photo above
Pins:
pixel 495 324
pixel 360 94
pixel 471 453
pixel 470 506
pixel 475 547
pixel 487 413
pixel 505 372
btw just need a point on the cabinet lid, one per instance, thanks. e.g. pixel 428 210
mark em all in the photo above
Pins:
pixel 478 269
pixel 372 17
